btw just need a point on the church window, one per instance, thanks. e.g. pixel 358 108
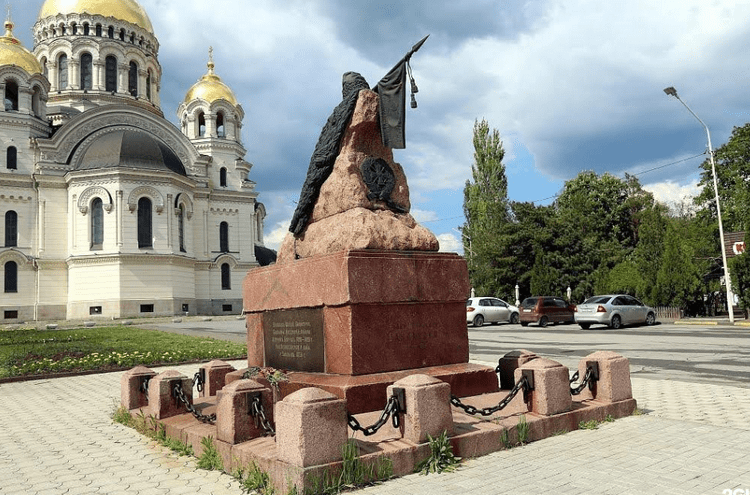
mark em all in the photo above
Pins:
pixel 11 158
pixel 62 72
pixel 11 95
pixel 122 34
pixel 111 32
pixel 224 237
pixel 36 102
pixel 181 227
pixel 226 277
pixel 87 71
pixel 133 79
pixel 145 237
pixel 11 228
pixel 132 38
pixel 74 28
pixel 148 85
pixel 62 29
pixel 86 30
pixel 220 125
pixel 11 276
pixel 110 70
pixel 223 177
pixel 97 224
pixel 201 124
pixel 99 30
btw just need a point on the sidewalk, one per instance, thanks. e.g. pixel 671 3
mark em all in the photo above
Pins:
pixel 57 438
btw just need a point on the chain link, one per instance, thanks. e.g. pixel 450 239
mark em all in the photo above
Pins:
pixel 198 381
pixel 522 384
pixel 587 380
pixel 391 409
pixel 179 394
pixel 574 378
pixel 259 415
pixel 144 386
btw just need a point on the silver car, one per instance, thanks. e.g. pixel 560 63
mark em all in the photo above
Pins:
pixel 614 311
pixel 491 309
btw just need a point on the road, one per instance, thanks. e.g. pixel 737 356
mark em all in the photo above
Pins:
pixel 705 354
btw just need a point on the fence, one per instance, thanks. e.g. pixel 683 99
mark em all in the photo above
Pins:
pixel 668 313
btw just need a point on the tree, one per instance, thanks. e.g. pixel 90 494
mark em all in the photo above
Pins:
pixel 678 281
pixel 739 268
pixel 733 180
pixel 486 211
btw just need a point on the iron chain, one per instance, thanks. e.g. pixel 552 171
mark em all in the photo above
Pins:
pixel 144 386
pixel 179 394
pixel 259 415
pixel 587 380
pixel 198 381
pixel 391 409
pixel 522 384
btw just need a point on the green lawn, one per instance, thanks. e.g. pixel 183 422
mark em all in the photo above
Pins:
pixel 45 352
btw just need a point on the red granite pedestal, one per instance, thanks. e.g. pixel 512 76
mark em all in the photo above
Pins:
pixel 353 322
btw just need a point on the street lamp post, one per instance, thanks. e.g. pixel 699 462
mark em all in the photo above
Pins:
pixel 727 279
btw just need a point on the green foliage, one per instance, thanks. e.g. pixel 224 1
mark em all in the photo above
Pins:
pixel 441 458
pixel 353 474
pixel 505 439
pixel 254 480
pixel 733 178
pixel 678 281
pixel 593 424
pixel 739 268
pixel 486 211
pixel 523 430
pixel 150 427
pixel 210 458
pixel 35 352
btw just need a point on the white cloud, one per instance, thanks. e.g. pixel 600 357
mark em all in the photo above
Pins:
pixel 449 243
pixel 675 196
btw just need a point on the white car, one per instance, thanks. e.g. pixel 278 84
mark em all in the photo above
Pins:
pixel 614 311
pixel 489 309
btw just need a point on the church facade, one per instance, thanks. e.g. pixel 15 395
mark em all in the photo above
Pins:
pixel 107 208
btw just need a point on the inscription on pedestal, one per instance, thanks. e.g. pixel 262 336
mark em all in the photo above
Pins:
pixel 293 339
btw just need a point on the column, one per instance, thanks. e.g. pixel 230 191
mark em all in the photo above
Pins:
pixel 74 74
pixel 211 125
pixel 170 222
pixel 122 78
pixel 98 75
pixel 142 83
pixel 52 76
pixel 118 226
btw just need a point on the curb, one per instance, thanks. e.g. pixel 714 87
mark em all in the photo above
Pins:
pixel 690 322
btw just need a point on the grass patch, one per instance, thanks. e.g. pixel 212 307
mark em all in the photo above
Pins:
pixel 523 430
pixel 441 457
pixel 46 352
pixel 354 473
pixel 254 480
pixel 210 458
pixel 593 424
pixel 152 428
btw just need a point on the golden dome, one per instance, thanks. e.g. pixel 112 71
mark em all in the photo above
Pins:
pixel 124 10
pixel 12 52
pixel 210 87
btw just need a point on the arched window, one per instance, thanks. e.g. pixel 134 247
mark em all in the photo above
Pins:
pixel 224 237
pixel 11 276
pixel 74 28
pixel 132 38
pixel 110 71
pixel 133 79
pixel 11 158
pixel 122 34
pixel 62 72
pixel 220 125
pixel 11 228
pixel 11 95
pixel 201 124
pixel 86 29
pixel 97 224
pixel 62 29
pixel 36 102
pixel 181 227
pixel 148 85
pixel 111 32
pixel 223 177
pixel 226 277
pixel 145 236
pixel 87 71
pixel 99 30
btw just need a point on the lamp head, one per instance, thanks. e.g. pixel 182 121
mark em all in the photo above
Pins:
pixel 671 91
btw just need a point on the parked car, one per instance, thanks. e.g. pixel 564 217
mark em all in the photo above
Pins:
pixel 546 309
pixel 615 311
pixel 489 309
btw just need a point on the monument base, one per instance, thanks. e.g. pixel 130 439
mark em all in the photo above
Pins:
pixel 365 393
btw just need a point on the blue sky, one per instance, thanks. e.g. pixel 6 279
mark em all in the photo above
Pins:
pixel 571 85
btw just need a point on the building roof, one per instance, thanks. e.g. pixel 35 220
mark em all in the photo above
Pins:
pixel 130 149
pixel 124 10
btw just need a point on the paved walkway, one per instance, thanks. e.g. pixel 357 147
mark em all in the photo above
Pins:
pixel 56 437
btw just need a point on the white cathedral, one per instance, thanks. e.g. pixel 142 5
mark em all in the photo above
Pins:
pixel 107 209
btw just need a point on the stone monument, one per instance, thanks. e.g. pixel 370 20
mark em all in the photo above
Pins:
pixel 359 296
